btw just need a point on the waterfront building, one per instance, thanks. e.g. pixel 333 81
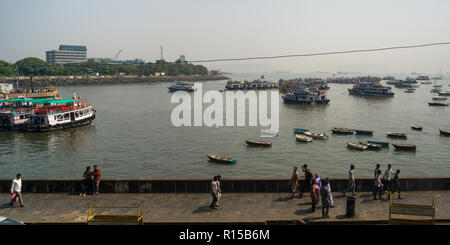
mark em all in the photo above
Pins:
pixel 181 60
pixel 67 54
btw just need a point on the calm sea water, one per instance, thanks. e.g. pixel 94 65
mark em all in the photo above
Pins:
pixel 133 137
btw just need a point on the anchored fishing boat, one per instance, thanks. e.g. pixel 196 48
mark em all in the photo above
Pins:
pixel 356 146
pixel 257 143
pixel 222 159
pixel 303 138
pixel 436 103
pixel 405 147
pixel 382 143
pixel 320 136
pixel 363 132
pixel 305 96
pixel 371 146
pixel 415 126
pixel 181 86
pixel 300 130
pixel 342 130
pixel 444 132
pixel 397 135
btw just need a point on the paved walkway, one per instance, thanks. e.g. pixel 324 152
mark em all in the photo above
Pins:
pixel 235 207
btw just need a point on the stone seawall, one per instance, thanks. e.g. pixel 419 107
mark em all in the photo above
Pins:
pixel 146 185
pixel 101 80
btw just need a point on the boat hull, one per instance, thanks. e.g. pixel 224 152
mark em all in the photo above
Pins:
pixel 300 130
pixel 342 131
pixel 382 143
pixel 256 143
pixel 221 159
pixel 404 147
pixel 46 128
pixel 363 132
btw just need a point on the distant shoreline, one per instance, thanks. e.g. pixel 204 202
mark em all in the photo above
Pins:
pixel 40 81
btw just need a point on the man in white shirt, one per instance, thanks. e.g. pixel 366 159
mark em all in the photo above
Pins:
pixel 16 188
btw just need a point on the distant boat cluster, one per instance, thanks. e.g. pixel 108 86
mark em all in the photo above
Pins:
pixel 304 91
pixel 253 85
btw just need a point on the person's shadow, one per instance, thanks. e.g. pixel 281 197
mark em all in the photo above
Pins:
pixel 4 206
pixel 202 209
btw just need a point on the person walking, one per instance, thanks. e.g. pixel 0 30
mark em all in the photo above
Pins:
pixel 330 195
pixel 325 197
pixel 87 182
pixel 16 190
pixel 294 181
pixel 351 180
pixel 214 192
pixel 308 180
pixel 375 172
pixel 378 186
pixel 97 176
pixel 388 175
pixel 396 184
pixel 219 190
pixel 315 196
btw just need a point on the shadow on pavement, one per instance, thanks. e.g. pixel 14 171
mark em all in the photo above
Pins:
pixel 202 209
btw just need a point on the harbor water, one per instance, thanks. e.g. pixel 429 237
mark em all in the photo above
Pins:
pixel 132 136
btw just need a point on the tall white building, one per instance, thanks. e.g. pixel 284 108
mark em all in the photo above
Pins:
pixel 67 54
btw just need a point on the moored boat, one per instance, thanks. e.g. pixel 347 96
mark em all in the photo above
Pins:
pixel 439 98
pixel 320 136
pixel 342 130
pixel 382 143
pixel 363 132
pixel 436 90
pixel 181 86
pixel 436 103
pixel 257 143
pixel 356 146
pixel 405 147
pixel 446 93
pixel 444 132
pixel 300 130
pixel 415 126
pixel 371 146
pixel 397 135
pixel 222 159
pixel 303 138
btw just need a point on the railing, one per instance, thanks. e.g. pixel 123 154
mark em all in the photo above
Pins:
pixel 427 211
pixel 109 219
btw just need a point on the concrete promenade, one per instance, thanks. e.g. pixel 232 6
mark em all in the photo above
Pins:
pixel 193 207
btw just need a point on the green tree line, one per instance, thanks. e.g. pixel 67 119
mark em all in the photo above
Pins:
pixel 36 67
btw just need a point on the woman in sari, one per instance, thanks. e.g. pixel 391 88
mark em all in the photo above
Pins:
pixel 294 181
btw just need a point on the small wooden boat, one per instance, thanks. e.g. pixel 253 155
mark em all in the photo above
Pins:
pixel 371 146
pixel 382 143
pixel 439 98
pixel 342 130
pixel 409 91
pixel 446 93
pixel 397 135
pixel 300 130
pixel 436 90
pixel 303 138
pixel 223 159
pixel 320 136
pixel 363 132
pixel 437 86
pixel 435 103
pixel 257 143
pixel 356 146
pixel 444 132
pixel 404 147
pixel 415 126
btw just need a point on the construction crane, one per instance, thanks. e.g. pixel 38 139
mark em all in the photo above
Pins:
pixel 117 55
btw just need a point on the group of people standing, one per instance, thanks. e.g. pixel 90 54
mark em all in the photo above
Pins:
pixel 390 182
pixel 216 192
pixel 319 190
pixel 91 181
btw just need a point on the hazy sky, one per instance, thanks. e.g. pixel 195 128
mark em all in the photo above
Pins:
pixel 206 29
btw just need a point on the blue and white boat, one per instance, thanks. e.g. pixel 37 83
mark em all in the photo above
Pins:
pixel 300 130
pixel 181 86
pixel 382 143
